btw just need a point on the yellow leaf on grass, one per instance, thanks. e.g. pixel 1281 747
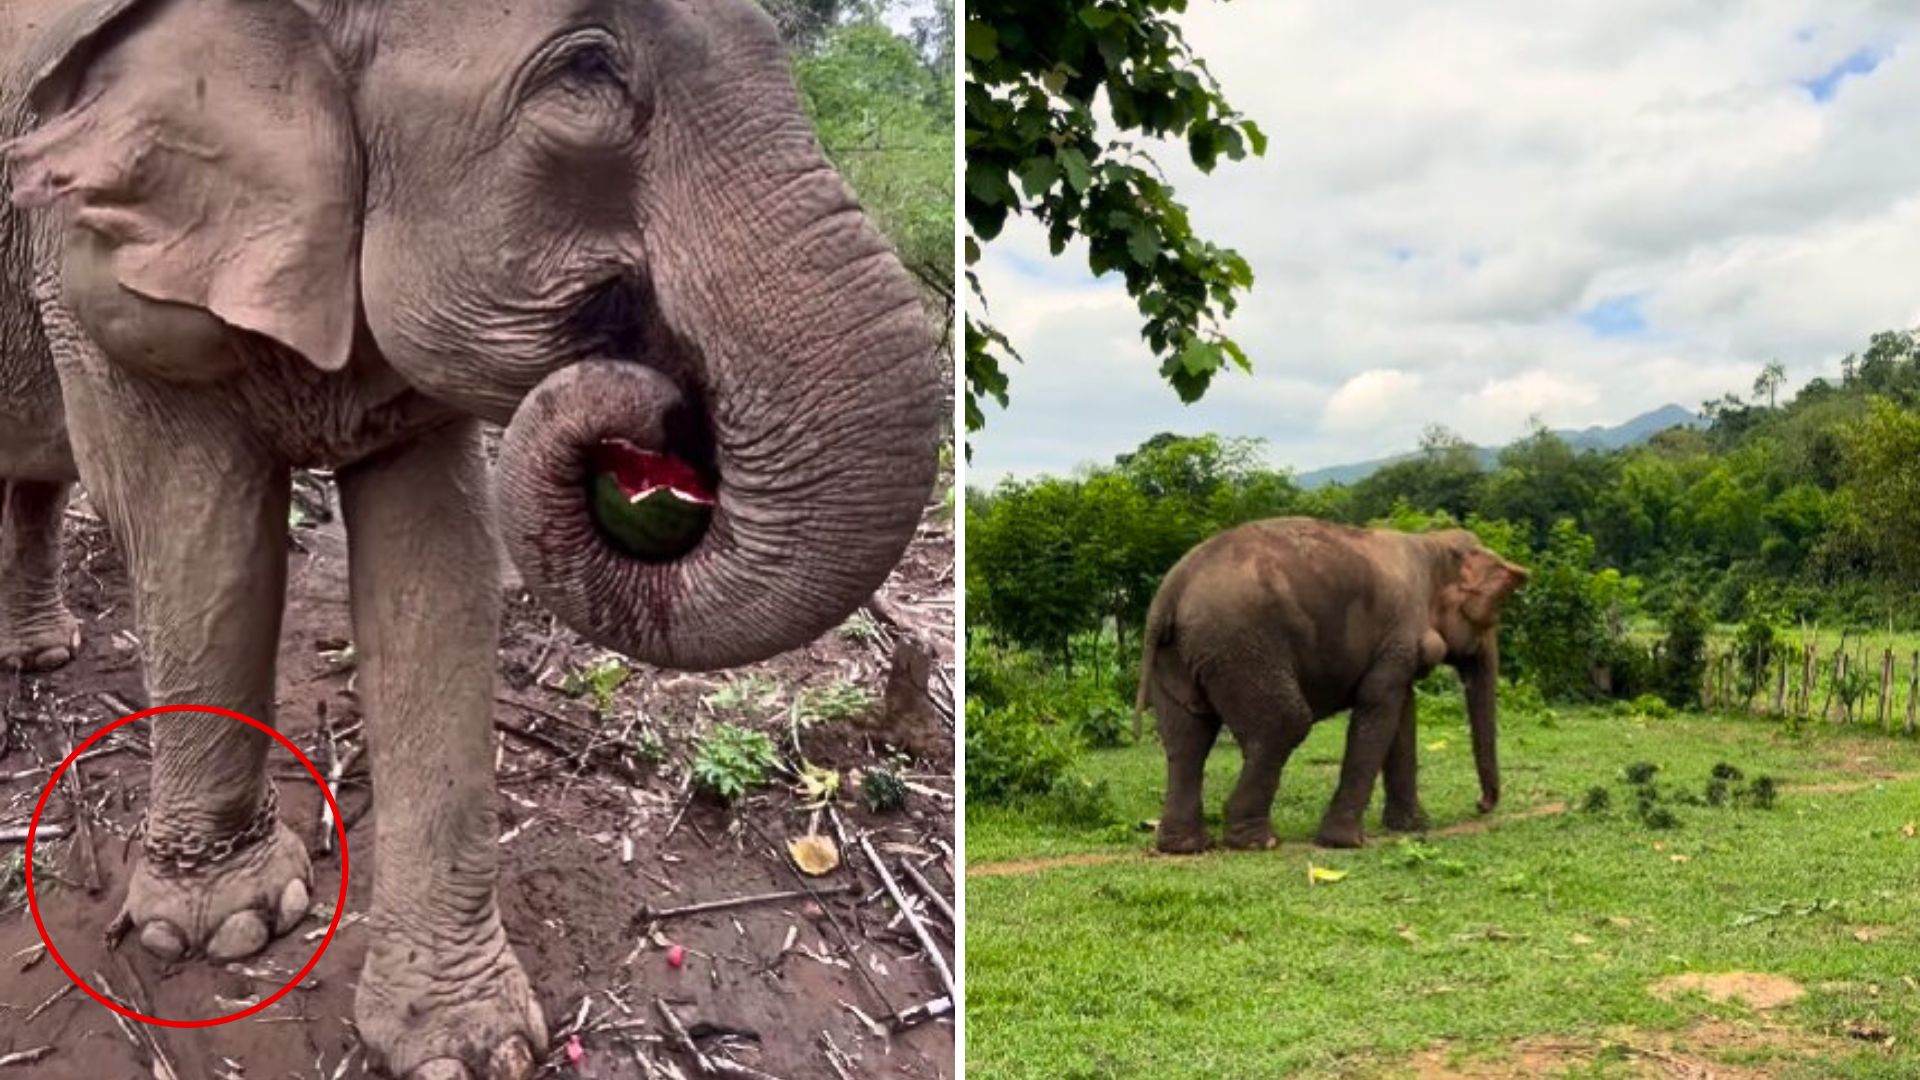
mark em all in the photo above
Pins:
pixel 1436 746
pixel 1319 874
pixel 814 855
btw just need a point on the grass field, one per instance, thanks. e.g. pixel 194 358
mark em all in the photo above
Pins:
pixel 1531 944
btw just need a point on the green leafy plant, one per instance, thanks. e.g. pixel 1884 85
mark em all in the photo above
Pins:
pixel 747 695
pixel 1641 772
pixel 1010 755
pixel 1079 802
pixel 840 700
pixel 729 761
pixel 596 681
pixel 861 629
pixel 648 745
pixel 883 790
pixel 1597 801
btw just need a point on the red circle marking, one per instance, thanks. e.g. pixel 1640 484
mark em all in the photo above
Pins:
pixel 339 829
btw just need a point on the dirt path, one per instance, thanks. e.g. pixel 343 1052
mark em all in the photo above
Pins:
pixel 1472 826
pixel 571 891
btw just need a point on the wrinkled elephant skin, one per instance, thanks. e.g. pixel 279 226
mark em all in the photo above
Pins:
pixel 1275 625
pixel 241 237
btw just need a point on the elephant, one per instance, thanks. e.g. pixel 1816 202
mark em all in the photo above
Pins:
pixel 1274 625
pixel 246 237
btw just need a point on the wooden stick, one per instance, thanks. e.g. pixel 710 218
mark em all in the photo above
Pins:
pixel 651 915
pixel 906 909
pixel 26 1057
pixel 927 890
pixel 18 834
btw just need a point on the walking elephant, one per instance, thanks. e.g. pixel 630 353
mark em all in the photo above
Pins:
pixel 248 236
pixel 1277 624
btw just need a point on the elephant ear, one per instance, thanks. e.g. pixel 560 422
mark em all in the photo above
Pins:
pixel 1486 580
pixel 204 149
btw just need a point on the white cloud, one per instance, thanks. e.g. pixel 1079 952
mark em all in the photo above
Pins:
pixel 1450 186
pixel 1369 399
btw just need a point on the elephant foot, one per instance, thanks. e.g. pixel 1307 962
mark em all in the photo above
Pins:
pixel 1252 836
pixel 1413 820
pixel 1181 841
pixel 42 645
pixel 224 910
pixel 445 1006
pixel 1340 834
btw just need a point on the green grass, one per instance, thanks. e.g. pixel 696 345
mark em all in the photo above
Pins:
pixel 1231 964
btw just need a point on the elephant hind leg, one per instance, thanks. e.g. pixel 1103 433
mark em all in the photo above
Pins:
pixel 1269 718
pixel 37 632
pixel 1188 737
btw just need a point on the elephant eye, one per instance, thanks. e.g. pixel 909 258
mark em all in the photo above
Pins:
pixel 584 62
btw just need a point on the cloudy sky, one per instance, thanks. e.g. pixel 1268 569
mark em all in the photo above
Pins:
pixel 1482 211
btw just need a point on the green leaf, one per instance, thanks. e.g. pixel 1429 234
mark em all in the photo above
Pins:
pixel 1097 18
pixel 1255 137
pixel 1144 246
pixel 1037 175
pixel 983 41
pixel 1079 172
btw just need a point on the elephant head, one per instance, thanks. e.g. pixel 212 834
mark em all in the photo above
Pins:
pixel 1472 585
pixel 604 223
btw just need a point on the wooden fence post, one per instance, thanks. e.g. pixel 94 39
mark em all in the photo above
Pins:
pixel 1780 687
pixel 1913 692
pixel 1886 690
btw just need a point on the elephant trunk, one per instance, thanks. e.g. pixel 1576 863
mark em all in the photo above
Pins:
pixel 1483 679
pixel 794 412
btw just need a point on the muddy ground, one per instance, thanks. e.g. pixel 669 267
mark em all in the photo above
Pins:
pixel 795 989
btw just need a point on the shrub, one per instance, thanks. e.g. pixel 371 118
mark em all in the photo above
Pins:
pixel 1598 800
pixel 883 790
pixel 1652 706
pixel 1077 801
pixel 1010 755
pixel 731 760
pixel 1683 657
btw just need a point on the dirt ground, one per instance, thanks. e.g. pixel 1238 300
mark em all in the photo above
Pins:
pixel 793 988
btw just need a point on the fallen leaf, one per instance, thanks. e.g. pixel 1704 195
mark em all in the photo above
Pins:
pixel 1318 874
pixel 1681 858
pixel 814 855
pixel 1407 935
pixel 1907 830
pixel 677 957
pixel 1436 746
pixel 1580 939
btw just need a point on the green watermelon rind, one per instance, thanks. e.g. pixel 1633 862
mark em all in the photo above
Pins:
pixel 658 526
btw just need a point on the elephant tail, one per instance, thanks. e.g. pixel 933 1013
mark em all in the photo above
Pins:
pixel 1158 621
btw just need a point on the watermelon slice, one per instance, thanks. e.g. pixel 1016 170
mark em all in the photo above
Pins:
pixel 651 505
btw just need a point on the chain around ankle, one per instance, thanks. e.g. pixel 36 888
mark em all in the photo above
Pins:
pixel 181 856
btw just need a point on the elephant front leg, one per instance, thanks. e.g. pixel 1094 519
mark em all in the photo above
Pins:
pixel 37 632
pixel 441 994
pixel 201 515
pixel 1403 812
pixel 1370 735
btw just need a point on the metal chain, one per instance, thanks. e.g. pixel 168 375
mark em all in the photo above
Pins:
pixel 181 856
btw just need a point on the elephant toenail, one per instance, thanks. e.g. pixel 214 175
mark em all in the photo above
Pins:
pixel 441 1069
pixel 293 905
pixel 162 940
pixel 243 934
pixel 511 1060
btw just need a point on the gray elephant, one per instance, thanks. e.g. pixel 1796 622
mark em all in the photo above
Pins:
pixel 249 236
pixel 1274 625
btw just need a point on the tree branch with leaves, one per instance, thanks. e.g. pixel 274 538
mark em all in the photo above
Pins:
pixel 1036 71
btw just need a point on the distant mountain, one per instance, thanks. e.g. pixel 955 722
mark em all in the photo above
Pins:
pixel 1632 433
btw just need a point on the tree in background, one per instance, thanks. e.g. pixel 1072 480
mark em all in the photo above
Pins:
pixel 1767 384
pixel 882 105
pixel 1035 72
